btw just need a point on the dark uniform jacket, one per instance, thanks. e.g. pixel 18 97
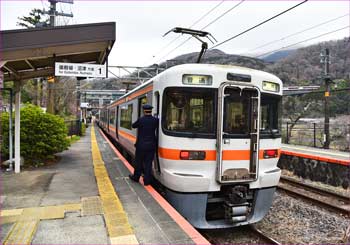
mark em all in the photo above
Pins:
pixel 146 134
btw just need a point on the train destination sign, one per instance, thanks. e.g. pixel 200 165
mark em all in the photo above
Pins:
pixel 79 70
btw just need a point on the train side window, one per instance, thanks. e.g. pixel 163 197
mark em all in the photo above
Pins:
pixel 142 101
pixel 126 116
pixel 112 117
pixel 270 108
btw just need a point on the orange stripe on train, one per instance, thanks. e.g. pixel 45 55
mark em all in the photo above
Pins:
pixel 210 155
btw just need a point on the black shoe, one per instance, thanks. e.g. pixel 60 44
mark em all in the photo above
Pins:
pixel 133 178
pixel 146 183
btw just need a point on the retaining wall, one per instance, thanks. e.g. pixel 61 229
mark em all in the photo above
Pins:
pixel 329 173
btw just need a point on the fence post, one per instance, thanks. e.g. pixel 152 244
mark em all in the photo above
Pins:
pixel 287 138
pixel 314 134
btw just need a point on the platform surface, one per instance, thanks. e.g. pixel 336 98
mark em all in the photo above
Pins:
pixel 323 154
pixel 86 198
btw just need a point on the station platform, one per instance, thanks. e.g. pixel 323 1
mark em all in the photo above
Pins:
pixel 87 198
pixel 325 155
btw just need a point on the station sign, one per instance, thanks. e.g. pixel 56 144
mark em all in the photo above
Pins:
pixel 62 1
pixel 84 105
pixel 79 70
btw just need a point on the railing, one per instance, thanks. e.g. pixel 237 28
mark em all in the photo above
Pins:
pixel 74 127
pixel 312 134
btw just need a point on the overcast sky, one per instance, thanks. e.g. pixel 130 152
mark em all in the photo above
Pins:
pixel 140 25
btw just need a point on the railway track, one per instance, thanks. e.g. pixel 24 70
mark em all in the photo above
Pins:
pixel 265 237
pixel 319 196
pixel 248 234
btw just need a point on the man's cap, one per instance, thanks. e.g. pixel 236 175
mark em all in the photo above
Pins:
pixel 147 107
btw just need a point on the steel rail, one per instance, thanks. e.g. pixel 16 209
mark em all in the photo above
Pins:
pixel 317 195
pixel 263 235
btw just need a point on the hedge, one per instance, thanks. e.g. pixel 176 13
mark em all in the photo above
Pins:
pixel 42 134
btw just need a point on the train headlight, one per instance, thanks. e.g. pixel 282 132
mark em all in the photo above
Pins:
pixel 270 86
pixel 271 153
pixel 192 155
pixel 191 79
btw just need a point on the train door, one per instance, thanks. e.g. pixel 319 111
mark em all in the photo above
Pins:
pixel 237 133
pixel 108 119
pixel 116 121
pixel 156 166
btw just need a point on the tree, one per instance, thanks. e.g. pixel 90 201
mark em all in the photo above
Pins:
pixel 35 19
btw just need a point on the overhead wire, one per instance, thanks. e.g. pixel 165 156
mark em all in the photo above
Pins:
pixel 212 22
pixel 261 23
pixel 309 39
pixel 197 21
pixel 297 33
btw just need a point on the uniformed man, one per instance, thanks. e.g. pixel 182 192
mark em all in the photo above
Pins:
pixel 146 143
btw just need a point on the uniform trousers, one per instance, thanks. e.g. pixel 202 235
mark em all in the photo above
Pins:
pixel 144 159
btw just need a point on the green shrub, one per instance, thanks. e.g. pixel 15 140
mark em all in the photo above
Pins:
pixel 42 134
pixel 83 129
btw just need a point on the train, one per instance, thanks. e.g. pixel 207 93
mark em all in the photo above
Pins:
pixel 219 139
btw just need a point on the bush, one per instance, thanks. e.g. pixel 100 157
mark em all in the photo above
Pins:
pixel 42 134
pixel 83 129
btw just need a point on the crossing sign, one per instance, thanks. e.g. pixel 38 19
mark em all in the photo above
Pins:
pixel 79 70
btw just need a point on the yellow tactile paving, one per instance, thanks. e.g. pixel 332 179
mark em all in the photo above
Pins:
pixel 91 206
pixel 118 227
pixel 22 232
pixel 8 219
pixel 11 212
pixel 128 239
pixel 27 219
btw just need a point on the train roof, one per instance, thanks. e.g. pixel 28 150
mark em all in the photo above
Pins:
pixel 205 68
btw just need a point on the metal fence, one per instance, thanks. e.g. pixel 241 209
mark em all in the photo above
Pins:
pixel 312 134
pixel 74 127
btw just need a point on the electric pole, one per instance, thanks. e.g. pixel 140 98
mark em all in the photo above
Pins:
pixel 325 60
pixel 53 13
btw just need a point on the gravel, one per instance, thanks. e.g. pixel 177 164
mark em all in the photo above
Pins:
pixel 292 220
pixel 239 235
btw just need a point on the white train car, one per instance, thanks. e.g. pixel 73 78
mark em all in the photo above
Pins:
pixel 219 139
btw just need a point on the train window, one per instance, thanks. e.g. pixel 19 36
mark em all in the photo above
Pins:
pixel 111 116
pixel 142 101
pixel 189 111
pixel 270 110
pixel 236 112
pixel 126 116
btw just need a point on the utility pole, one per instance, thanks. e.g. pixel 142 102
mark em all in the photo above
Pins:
pixel 53 13
pixel 325 60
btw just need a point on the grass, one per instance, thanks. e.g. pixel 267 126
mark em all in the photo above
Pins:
pixel 73 138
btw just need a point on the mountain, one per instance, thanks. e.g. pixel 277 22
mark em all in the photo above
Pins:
pixel 276 56
pixel 294 67
pixel 216 56
pixel 303 66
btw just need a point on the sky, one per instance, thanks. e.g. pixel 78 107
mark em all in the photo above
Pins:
pixel 140 25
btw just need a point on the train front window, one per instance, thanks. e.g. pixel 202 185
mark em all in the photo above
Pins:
pixel 270 110
pixel 188 111
pixel 236 112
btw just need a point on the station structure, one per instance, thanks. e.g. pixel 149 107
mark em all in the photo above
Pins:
pixel 32 53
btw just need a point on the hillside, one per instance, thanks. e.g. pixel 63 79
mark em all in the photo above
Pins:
pixel 276 56
pixel 298 67
pixel 304 64
pixel 216 56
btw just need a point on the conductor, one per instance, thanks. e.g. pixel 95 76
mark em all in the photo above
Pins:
pixel 146 143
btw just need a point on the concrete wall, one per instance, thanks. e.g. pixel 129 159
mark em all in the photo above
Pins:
pixel 328 173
